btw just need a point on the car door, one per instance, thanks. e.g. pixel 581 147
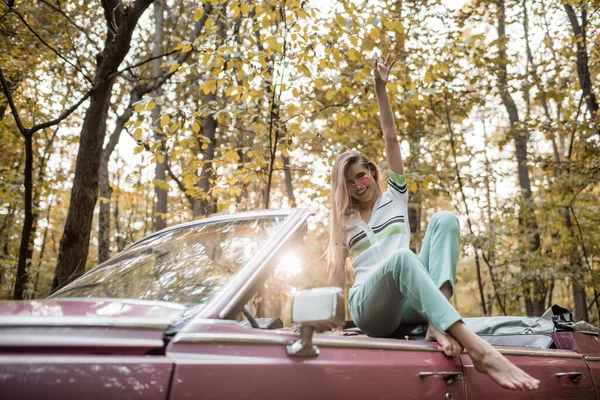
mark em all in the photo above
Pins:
pixel 563 374
pixel 223 360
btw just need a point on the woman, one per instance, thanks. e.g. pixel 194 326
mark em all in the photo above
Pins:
pixel 393 286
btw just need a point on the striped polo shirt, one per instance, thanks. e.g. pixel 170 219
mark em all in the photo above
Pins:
pixel 387 231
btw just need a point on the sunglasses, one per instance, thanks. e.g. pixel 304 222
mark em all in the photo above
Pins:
pixel 361 182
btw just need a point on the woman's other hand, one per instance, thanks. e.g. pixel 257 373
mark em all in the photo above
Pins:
pixel 381 69
pixel 341 332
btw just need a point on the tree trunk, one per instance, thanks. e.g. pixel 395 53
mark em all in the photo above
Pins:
pixel 580 310
pixel 287 174
pixel 583 70
pixel 209 129
pixel 104 212
pixel 205 205
pixel 536 293
pixel 74 245
pixel 24 249
pixel 160 169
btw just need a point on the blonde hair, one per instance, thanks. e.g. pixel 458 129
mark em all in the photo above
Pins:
pixel 342 204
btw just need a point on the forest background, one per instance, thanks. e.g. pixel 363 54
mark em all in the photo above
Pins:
pixel 119 118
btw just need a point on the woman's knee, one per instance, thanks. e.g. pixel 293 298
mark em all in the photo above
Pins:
pixel 446 220
pixel 404 258
pixel 403 253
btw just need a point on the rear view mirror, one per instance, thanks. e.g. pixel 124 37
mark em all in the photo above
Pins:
pixel 315 309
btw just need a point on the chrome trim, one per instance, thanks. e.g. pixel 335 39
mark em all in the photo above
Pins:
pixel 450 377
pixel 296 220
pixel 223 218
pixel 228 338
pixel 592 358
pixel 140 302
pixel 540 353
pixel 237 338
pixel 214 321
pixel 393 344
pixel 348 342
pixel 69 341
pixel 46 359
pixel 68 321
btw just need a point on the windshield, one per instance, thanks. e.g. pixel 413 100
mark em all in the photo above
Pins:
pixel 186 266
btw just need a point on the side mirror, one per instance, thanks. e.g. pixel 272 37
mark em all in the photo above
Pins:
pixel 315 309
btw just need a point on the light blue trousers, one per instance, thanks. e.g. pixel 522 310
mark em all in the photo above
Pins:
pixel 405 287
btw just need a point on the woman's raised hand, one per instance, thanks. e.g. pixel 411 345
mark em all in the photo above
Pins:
pixel 381 69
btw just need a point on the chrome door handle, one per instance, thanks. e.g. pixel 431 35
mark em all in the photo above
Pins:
pixel 574 376
pixel 449 376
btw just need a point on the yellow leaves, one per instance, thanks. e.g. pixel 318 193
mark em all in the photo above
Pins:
pixel 164 121
pixel 198 14
pixel 305 70
pixel 174 67
pixel 302 14
pixel 139 107
pixel 412 186
pixel 399 28
pixel 245 8
pixel 428 76
pixel 271 41
pixel 344 121
pixel 186 48
pixel 354 40
pixel 174 127
pixel 208 24
pixel 161 184
pixel 209 86
pixel 375 33
pixel 329 94
pixel 137 134
pixel 160 158
pixel 195 127
pixel 319 83
pixel 151 105
pixel 389 24
pixel 353 55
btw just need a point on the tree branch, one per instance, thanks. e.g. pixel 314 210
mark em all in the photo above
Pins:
pixel 139 64
pixel 12 9
pixel 11 104
pixel 30 131
pixel 58 10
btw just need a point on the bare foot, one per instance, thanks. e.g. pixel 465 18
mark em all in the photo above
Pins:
pixel 450 346
pixel 489 361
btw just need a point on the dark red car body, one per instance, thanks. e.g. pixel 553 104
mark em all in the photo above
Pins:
pixel 129 349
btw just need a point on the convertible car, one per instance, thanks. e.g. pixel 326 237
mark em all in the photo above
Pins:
pixel 196 311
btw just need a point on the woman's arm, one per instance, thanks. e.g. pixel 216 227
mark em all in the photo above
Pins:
pixel 381 71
